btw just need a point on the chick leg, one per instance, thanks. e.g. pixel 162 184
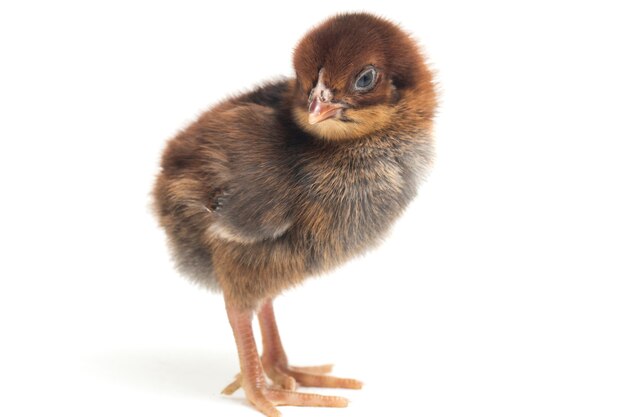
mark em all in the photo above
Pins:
pixel 252 379
pixel 277 367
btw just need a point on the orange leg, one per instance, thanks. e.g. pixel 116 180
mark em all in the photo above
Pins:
pixel 277 367
pixel 252 379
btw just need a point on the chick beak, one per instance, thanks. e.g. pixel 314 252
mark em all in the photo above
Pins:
pixel 321 110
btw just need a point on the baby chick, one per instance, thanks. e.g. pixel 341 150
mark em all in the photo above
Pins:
pixel 294 178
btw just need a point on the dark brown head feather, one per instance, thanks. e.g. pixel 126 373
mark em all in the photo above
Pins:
pixel 343 46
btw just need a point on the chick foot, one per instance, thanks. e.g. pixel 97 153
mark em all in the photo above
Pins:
pixel 252 379
pixel 278 369
pixel 288 377
pixel 265 399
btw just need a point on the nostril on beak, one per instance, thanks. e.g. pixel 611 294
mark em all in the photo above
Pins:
pixel 325 95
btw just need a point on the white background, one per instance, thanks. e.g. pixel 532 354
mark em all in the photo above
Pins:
pixel 500 293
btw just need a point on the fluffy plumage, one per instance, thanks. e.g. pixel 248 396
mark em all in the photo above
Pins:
pixel 259 193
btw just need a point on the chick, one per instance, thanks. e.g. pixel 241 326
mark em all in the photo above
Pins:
pixel 294 178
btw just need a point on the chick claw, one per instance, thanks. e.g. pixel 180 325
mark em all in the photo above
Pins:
pixel 231 388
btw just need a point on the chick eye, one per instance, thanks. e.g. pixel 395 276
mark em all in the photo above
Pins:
pixel 366 80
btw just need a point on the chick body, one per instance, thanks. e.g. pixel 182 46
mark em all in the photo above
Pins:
pixel 252 204
pixel 294 178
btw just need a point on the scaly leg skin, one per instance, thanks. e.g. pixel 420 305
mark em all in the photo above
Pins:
pixel 252 379
pixel 277 367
